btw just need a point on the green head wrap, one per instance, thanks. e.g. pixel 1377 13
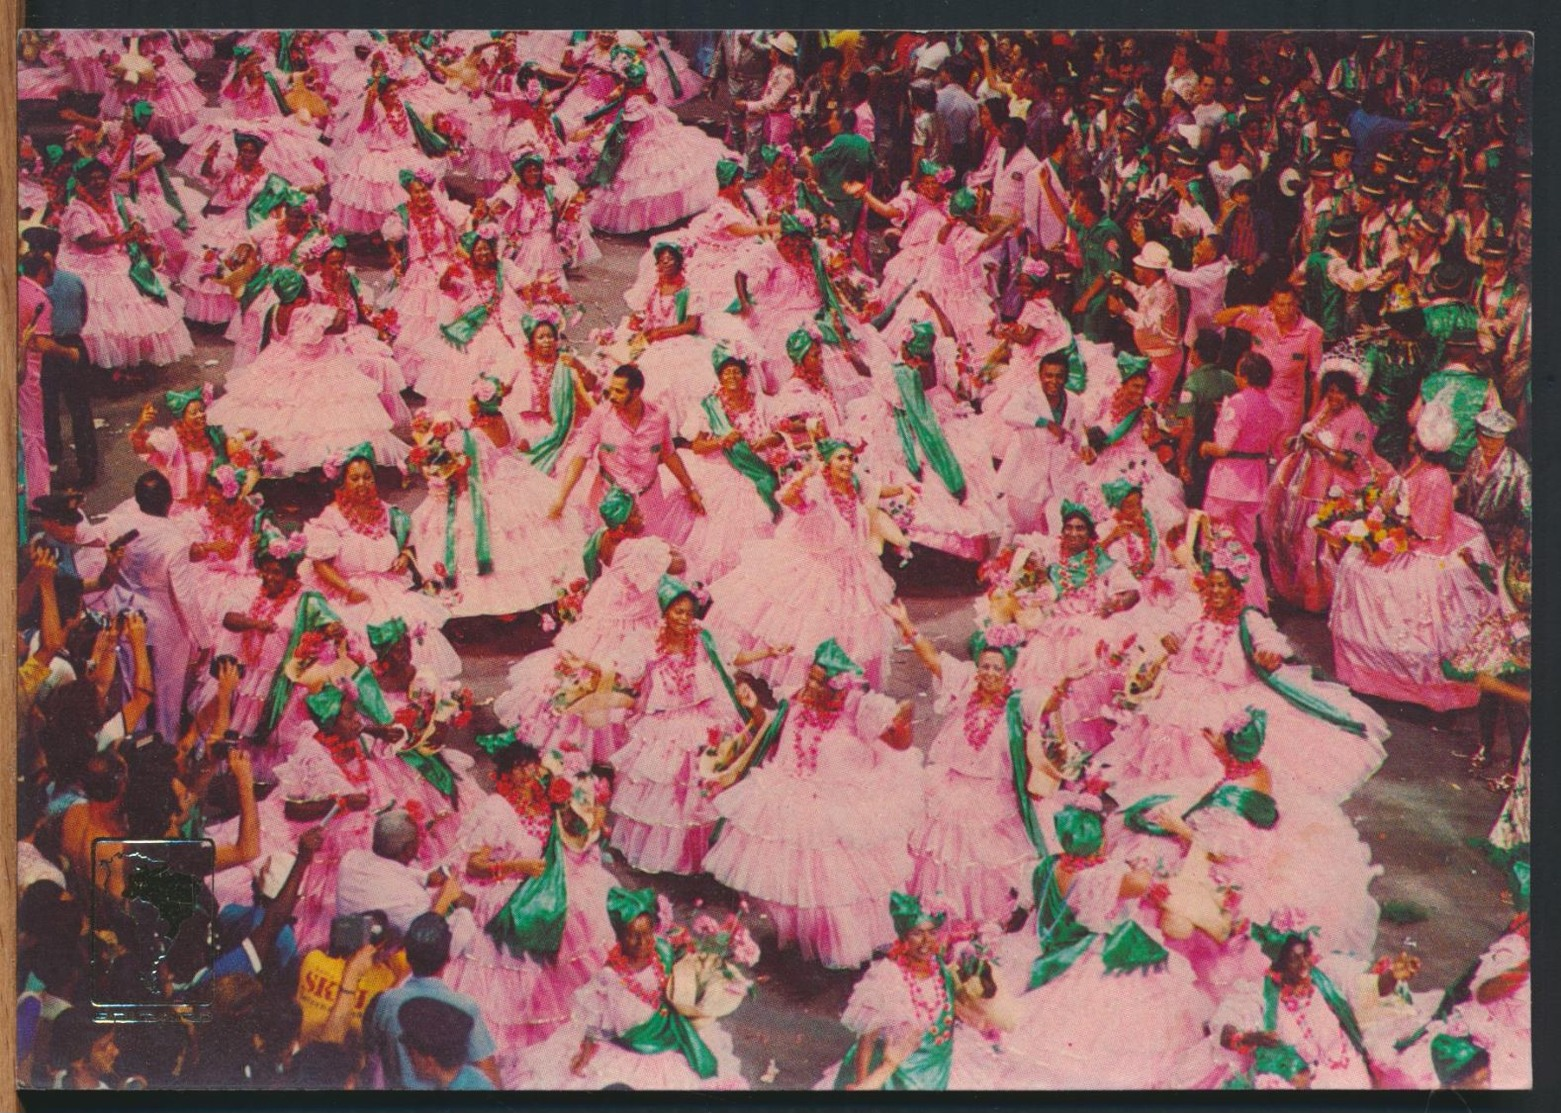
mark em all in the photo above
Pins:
pixel 495 401
pixel 1071 509
pixel 1454 1057
pixel 53 155
pixel 387 634
pixel 242 52
pixel 921 339
pixel 722 355
pixel 364 451
pixel 634 74
pixel 791 225
pixel 770 154
pixel 1079 832
pixel 624 906
pixel 338 242
pixel 727 172
pixel 829 446
pixel 288 284
pixel 141 112
pixel 979 645
pixel 1117 490
pixel 927 168
pixel 668 245
pixel 178 401
pixel 81 164
pixel 1271 940
pixel 526 160
pixel 616 506
pixel 406 177
pixel 1284 1061
pixel 799 343
pixel 241 137
pixel 834 660
pixel 325 705
pixel 906 912
pixel 1129 365
pixel 1246 741
pixel 468 240
pixel 491 744
pixel 1517 881
pixel 963 203
pixel 669 589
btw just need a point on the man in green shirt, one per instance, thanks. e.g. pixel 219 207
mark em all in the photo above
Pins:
pixel 1101 250
pixel 1206 387
pixel 847 158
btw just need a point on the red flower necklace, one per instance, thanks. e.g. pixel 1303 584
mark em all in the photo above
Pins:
pixel 929 996
pixel 631 978
pixel 348 755
pixel 811 726
pixel 981 715
pixel 675 657
pixel 1228 615
pixel 366 516
pixel 529 799
pixel 845 500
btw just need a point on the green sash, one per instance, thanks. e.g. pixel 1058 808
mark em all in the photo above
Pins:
pixel 1136 816
pixel 460 332
pixel 532 920
pixel 141 270
pixel 918 425
pixel 926 1068
pixel 591 556
pixel 277 95
pixel 742 456
pixel 1336 1003
pixel 614 145
pixel 1078 374
pixel 1019 762
pixel 1063 939
pixel 171 196
pixel 672 73
pixel 1128 947
pixel 669 1030
pixel 479 516
pixel 1301 700
pixel 430 142
pixel 400 526
pixel 1257 808
pixel 707 640
pixel 313 612
pixel 371 697
pixel 1071 574
pixel 561 401
pixel 272 195
pixel 833 307
pixel 1120 430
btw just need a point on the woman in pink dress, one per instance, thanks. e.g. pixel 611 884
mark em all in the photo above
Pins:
pixel 737 456
pixel 671 78
pixel 304 393
pixel 359 556
pixel 365 171
pixel 221 558
pixel 1394 622
pixel 952 275
pixel 1333 451
pixel 504 844
pixel 138 163
pixel 185 451
pixel 724 239
pixel 664 818
pixel 817 832
pixel 971 849
pixel 549 395
pixel 478 325
pixel 423 234
pixel 755 603
pixel 135 319
pixel 363 345
pixel 1135 540
pixel 222 227
pixel 1090 972
pixel 662 174
pixel 173 92
pixel 1322 742
pixel 1117 431
pixel 918 214
pixel 541 224
pixel 624 1030
pixel 287 232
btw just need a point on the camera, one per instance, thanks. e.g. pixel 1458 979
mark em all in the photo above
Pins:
pixel 226 658
pixel 350 933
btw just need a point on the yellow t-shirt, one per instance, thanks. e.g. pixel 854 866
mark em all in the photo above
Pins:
pixel 319 982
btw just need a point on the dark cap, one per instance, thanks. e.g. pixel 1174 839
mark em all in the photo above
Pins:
pixel 1449 279
pixel 1495 248
pixel 1373 188
pixel 64 508
pixel 1344 227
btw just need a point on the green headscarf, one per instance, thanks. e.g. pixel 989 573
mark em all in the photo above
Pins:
pixel 491 744
pixel 906 912
pixel 1079 832
pixel 141 112
pixel 829 446
pixel 799 343
pixel 624 906
pixel 288 284
pixel 634 74
pixel 1518 882
pixel 1271 940
pixel 1284 1061
pixel 241 137
pixel 1451 1056
pixel 386 634
pixel 364 451
pixel 727 172
pixel 769 154
pixel 616 506
pixel 1071 509
pixel 406 177
pixel 791 225
pixel 927 168
pixel 834 660
pixel 1246 741
pixel 963 203
pixel 1117 490
pixel 669 589
pixel 469 240
pixel 325 705
pixel 668 245
pixel 921 340
pixel 721 355
pixel 978 646
pixel 526 160
pixel 178 401
pixel 1129 365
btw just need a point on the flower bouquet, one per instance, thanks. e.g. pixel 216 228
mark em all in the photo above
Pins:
pixel 1374 519
pixel 432 454
pixel 978 1000
pixel 710 975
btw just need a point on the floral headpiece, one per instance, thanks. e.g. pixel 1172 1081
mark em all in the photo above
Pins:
pixel 1004 639
pixel 939 173
pixel 421 174
pixel 336 464
pixel 1226 554
pixel 542 313
pixel 232 481
pixel 489 394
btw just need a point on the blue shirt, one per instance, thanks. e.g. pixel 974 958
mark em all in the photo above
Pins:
pixel 68 299
pixel 382 1030
pixel 470 1078
pixel 1371 134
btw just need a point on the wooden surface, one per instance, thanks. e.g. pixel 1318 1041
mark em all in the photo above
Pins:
pixel 9 15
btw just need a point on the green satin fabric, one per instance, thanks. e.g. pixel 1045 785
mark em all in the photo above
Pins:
pixel 532 920
pixel 918 427
pixel 1019 764
pixel 561 404
pixel 1063 939
pixel 669 1030
pixel 313 612
pixel 1257 808
pixel 1302 701
pixel 926 1068
pixel 742 456
pixel 142 273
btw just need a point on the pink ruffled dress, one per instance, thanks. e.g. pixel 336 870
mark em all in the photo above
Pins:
pixel 293 148
pixel 277 247
pixel 663 818
pixel 206 300
pixel 735 513
pixel 173 94
pixel 1394 624
pixel 156 211
pixel 970 850
pixel 1300 565
pixel 445 374
pixel 755 604
pixel 366 170
pixel 919 224
pixel 305 395
pixel 427 239
pixel 818 833
pixel 125 327
pixel 261 654
pixel 667 173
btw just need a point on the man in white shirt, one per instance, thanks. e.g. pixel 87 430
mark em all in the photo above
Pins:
pixel 1157 319
pixel 385 878
pixel 1010 178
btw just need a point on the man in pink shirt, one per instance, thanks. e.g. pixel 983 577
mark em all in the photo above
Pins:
pixel 1292 344
pixel 34 316
pixel 631 439
pixel 1248 431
